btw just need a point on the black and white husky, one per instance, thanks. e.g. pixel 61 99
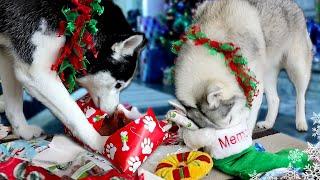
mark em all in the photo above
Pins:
pixel 28 48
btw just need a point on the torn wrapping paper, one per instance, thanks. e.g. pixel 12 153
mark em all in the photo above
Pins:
pixel 60 150
pixel 65 158
pixel 104 123
pixel 172 136
pixel 68 160
pixel 13 168
pixel 23 149
pixel 122 116
pixel 130 146
pixel 83 166
pixel 34 172
pixel 132 137
pixel 94 115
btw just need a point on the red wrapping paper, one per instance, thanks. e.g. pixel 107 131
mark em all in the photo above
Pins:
pixel 130 141
pixel 116 175
pixel 34 171
pixel 131 145
pixel 13 168
pixel 94 115
pixel 105 124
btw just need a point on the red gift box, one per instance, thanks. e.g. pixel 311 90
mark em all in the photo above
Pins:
pixel 131 145
pixel 131 141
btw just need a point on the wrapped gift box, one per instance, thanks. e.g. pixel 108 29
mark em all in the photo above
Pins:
pixel 132 137
pixel 131 145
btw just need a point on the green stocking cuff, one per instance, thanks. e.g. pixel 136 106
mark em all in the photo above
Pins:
pixel 250 161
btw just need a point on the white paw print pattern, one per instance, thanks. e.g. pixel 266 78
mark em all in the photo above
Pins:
pixel 134 163
pixel 147 146
pixel 149 123
pixel 137 121
pixel 89 111
pixel 111 151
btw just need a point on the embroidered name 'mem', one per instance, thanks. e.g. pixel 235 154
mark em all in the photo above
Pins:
pixel 232 140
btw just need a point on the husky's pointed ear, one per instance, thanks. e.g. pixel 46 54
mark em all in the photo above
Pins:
pixel 213 97
pixel 129 46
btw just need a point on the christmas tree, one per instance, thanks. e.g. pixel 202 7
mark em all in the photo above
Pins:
pixel 161 33
pixel 177 18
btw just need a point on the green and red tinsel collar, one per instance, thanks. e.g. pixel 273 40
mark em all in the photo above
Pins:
pixel 236 62
pixel 79 28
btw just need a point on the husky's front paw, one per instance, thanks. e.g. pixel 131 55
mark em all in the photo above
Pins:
pixel 264 125
pixel 28 132
pixel 301 125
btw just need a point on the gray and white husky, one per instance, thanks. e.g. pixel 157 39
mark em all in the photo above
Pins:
pixel 28 48
pixel 271 34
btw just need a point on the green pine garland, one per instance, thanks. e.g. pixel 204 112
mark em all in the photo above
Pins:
pixel 79 28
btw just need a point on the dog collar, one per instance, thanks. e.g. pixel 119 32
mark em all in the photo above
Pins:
pixel 234 60
pixel 79 28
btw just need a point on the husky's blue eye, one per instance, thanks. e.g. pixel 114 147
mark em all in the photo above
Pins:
pixel 118 86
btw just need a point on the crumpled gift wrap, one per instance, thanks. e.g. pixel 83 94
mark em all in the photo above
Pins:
pixel 104 123
pixel 94 115
pixel 87 165
pixel 23 149
pixel 131 145
pixel 13 168
pixel 68 160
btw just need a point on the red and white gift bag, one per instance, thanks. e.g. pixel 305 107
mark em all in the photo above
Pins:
pixel 131 145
